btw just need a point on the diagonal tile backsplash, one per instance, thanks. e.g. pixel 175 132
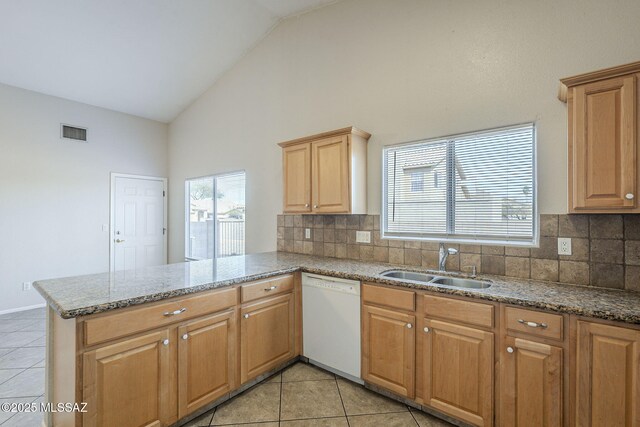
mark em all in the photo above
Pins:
pixel 605 248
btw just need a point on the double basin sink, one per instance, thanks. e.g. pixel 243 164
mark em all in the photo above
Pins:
pixel 425 278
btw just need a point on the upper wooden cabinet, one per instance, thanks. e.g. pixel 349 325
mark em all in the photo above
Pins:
pixel 326 173
pixel 603 124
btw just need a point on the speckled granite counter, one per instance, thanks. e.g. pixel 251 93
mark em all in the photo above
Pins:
pixel 84 295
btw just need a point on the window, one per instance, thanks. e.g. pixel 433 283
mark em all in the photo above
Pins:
pixel 475 188
pixel 215 212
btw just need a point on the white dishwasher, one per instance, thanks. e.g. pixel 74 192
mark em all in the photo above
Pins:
pixel 331 324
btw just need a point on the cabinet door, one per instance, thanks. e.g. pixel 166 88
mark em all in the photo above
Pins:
pixel 388 349
pixel 531 381
pixel 330 175
pixel 607 376
pixel 126 384
pixel 296 161
pixel 458 371
pixel 206 360
pixel 267 335
pixel 603 153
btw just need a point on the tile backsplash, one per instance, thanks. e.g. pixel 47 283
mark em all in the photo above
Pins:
pixel 605 248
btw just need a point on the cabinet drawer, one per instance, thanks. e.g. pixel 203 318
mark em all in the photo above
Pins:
pixel 471 313
pixel 389 297
pixel 113 326
pixel 266 288
pixel 540 324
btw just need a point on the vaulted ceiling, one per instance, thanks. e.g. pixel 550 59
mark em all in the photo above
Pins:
pixel 150 58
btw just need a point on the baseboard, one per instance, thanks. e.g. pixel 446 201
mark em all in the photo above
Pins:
pixel 29 307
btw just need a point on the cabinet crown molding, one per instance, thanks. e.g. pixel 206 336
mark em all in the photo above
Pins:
pixel 606 73
pixel 342 131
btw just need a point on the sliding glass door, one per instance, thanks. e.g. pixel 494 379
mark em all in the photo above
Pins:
pixel 215 216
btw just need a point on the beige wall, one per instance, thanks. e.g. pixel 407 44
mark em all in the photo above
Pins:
pixel 54 194
pixel 402 70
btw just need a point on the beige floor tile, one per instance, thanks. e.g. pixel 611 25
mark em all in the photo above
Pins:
pixel 310 399
pixel 277 378
pixel 268 424
pixel 401 419
pixel 318 422
pixel 258 404
pixel 426 420
pixel 202 421
pixel 358 400
pixel 305 372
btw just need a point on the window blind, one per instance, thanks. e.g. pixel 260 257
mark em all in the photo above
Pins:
pixel 475 187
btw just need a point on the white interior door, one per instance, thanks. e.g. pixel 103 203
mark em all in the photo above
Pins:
pixel 138 223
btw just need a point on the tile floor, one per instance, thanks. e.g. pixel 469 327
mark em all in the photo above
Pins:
pixel 22 354
pixel 304 395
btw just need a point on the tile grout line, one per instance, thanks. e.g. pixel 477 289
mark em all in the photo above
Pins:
pixel 341 400
pixel 412 416
pixel 280 402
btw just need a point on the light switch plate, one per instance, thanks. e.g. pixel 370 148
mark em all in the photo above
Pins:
pixel 363 237
pixel 26 286
pixel 564 246
pixel 307 233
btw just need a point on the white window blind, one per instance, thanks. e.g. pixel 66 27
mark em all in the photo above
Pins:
pixel 476 187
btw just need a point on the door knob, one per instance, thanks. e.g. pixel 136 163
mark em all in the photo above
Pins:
pixel 629 196
pixel 119 241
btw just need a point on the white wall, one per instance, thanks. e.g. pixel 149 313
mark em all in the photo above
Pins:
pixel 402 70
pixel 54 194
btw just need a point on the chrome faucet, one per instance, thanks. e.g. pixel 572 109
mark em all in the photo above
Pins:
pixel 443 254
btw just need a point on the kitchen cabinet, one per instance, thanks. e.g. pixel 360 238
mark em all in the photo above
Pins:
pixel 326 173
pixel 607 376
pixel 206 360
pixel 267 335
pixel 457 370
pixel 388 349
pixel 532 372
pixel 128 383
pixel 531 382
pixel 602 132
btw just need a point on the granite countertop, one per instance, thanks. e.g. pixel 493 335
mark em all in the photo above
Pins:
pixel 84 295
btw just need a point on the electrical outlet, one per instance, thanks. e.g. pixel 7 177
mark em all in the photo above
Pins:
pixel 26 286
pixel 564 246
pixel 363 237
pixel 307 233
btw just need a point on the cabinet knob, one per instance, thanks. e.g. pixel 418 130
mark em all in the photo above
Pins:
pixel 509 349
pixel 246 316
pixel 306 205
pixel 165 342
pixel 629 196
pixel 315 206
pixel 426 329
pixel 185 336
pixel 409 326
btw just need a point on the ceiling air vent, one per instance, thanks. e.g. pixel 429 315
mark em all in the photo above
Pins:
pixel 74 133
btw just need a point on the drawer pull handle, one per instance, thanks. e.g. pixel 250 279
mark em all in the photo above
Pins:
pixel 271 288
pixel 185 336
pixel 174 313
pixel 165 342
pixel 533 324
pixel 509 349
pixel 246 316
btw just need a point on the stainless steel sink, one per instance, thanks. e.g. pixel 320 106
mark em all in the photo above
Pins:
pixel 425 278
pixel 461 283
pixel 413 276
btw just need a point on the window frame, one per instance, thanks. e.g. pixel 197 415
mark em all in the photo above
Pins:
pixel 448 238
pixel 187 211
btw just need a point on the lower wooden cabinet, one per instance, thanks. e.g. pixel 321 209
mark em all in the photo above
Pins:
pixel 126 384
pixel 607 376
pixel 267 335
pixel 457 370
pixel 531 384
pixel 388 349
pixel 206 360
